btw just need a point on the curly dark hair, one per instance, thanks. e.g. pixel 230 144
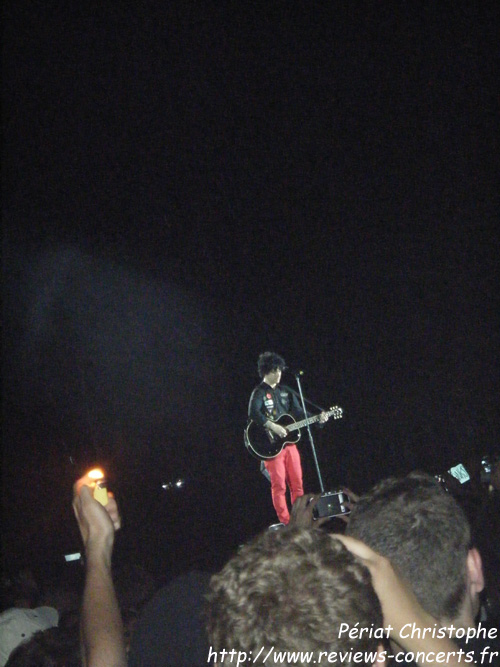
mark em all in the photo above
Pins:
pixel 269 361
pixel 422 529
pixel 292 589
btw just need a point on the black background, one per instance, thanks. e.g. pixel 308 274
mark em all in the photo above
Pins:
pixel 186 185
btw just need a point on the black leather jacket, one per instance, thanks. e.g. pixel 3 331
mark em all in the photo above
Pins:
pixel 268 403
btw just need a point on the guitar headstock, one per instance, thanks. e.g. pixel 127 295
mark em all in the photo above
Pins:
pixel 335 412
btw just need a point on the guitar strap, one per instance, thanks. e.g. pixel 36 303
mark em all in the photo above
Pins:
pixel 306 400
pixel 264 471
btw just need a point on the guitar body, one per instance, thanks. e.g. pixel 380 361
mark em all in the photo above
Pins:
pixel 264 444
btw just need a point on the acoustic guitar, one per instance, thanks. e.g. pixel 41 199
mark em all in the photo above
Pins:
pixel 265 444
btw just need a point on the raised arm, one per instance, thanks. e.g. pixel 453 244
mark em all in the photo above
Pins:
pixel 101 623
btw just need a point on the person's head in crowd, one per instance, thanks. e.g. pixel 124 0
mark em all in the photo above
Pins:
pixel 18 625
pixel 170 630
pixel 291 590
pixel 422 529
pixel 55 647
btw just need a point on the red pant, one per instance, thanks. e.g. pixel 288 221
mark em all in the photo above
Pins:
pixel 285 469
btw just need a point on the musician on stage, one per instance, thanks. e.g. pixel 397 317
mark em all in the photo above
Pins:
pixel 267 403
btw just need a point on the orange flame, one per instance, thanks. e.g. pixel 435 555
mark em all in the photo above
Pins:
pixel 96 473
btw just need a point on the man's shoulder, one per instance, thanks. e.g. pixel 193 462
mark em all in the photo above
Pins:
pixel 262 387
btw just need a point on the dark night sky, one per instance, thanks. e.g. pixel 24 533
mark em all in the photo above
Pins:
pixel 187 185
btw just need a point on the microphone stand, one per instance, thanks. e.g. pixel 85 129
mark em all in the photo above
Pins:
pixel 311 440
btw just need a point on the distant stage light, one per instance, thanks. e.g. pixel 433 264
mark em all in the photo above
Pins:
pixel 177 485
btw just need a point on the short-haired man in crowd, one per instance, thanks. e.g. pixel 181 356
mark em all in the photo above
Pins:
pixel 424 532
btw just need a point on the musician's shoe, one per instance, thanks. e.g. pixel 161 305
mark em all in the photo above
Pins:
pixel 276 526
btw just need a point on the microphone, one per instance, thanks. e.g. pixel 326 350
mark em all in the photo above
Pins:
pixel 295 371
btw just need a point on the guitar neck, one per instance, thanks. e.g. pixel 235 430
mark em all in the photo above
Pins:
pixel 336 412
pixel 304 422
